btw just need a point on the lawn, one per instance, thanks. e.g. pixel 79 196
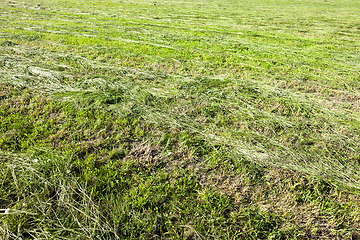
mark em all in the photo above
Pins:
pixel 180 119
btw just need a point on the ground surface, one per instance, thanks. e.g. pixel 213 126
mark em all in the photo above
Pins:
pixel 179 119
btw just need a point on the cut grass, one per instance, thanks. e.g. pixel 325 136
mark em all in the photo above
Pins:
pixel 184 121
pixel 128 189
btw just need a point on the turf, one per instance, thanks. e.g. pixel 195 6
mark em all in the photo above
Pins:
pixel 179 120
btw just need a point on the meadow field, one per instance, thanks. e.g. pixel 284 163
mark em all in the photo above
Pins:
pixel 198 119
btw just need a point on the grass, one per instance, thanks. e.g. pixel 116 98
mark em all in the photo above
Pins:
pixel 179 120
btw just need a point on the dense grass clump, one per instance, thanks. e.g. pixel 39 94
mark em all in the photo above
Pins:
pixel 173 120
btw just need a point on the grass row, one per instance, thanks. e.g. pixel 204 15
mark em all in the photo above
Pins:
pixel 183 121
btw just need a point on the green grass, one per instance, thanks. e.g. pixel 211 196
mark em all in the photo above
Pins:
pixel 179 120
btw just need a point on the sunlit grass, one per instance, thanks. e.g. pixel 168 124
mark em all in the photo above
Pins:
pixel 184 120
